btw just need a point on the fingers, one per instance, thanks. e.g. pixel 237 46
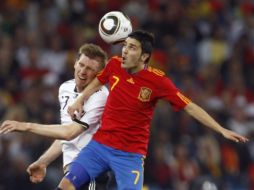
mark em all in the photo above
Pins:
pixel 6 128
pixel 243 139
pixel 3 127
pixel 36 179
pixel 82 113
pixel 81 110
pixel 28 170
pixel 33 176
pixel 77 106
pixel 9 126
pixel 36 173
pixel 238 138
pixel 231 135
pixel 75 112
pixel 71 112
pixel 31 168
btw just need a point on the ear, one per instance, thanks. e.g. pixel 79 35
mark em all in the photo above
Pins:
pixel 77 59
pixel 144 57
pixel 76 62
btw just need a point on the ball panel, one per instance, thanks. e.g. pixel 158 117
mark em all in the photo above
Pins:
pixel 109 25
pixel 114 26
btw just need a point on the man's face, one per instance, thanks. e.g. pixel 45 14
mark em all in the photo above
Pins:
pixel 85 71
pixel 131 54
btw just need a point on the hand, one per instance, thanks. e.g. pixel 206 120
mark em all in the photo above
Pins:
pixel 10 126
pixel 76 108
pixel 228 134
pixel 37 171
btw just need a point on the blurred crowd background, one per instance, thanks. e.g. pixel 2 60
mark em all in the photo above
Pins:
pixel 205 46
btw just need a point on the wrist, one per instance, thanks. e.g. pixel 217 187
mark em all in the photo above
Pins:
pixel 82 98
pixel 43 160
pixel 27 126
pixel 223 131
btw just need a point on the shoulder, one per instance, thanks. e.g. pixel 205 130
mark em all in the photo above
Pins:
pixel 97 99
pixel 102 93
pixel 115 59
pixel 155 72
pixel 104 90
pixel 159 77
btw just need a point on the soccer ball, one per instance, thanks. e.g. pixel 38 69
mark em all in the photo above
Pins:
pixel 114 27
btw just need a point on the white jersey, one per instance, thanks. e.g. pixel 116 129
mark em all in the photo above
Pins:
pixel 93 108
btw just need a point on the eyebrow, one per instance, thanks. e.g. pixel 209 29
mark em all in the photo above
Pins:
pixel 132 45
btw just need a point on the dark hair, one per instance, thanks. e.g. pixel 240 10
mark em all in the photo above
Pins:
pixel 94 52
pixel 146 40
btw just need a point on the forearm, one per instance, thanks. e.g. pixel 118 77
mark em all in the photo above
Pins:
pixel 64 132
pixel 52 153
pixel 91 88
pixel 203 117
pixel 53 131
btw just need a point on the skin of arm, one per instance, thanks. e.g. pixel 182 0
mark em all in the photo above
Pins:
pixel 63 132
pixel 202 116
pixel 78 104
pixel 37 170
pixel 52 153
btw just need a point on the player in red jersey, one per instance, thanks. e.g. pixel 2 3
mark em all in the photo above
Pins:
pixel 121 142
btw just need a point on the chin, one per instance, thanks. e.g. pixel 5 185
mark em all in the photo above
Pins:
pixel 123 65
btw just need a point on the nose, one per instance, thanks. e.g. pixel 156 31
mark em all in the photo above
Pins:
pixel 125 50
pixel 124 54
pixel 83 69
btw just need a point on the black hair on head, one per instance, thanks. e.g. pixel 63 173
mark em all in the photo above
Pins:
pixel 145 38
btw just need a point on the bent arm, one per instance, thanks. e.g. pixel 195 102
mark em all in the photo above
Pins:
pixel 91 88
pixel 88 91
pixel 203 117
pixel 51 153
pixel 37 170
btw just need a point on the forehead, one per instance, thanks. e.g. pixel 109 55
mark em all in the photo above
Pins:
pixel 133 42
pixel 88 62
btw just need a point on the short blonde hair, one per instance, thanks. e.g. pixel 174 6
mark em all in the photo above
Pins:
pixel 94 52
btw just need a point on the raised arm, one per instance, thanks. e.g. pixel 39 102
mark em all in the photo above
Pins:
pixel 203 117
pixel 77 106
pixel 65 132
pixel 37 170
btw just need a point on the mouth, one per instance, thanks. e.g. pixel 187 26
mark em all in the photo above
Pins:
pixel 81 78
pixel 123 60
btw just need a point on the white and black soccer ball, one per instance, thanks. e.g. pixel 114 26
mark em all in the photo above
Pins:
pixel 114 27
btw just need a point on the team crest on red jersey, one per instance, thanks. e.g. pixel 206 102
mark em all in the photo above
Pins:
pixel 144 94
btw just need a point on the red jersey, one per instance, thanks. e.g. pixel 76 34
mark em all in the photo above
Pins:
pixel 129 109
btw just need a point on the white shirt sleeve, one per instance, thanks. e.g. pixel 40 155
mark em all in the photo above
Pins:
pixel 94 108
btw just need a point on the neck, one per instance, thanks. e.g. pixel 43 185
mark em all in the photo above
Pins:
pixel 79 89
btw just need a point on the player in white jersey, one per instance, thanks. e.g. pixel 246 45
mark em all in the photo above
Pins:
pixel 91 59
pixel 93 110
